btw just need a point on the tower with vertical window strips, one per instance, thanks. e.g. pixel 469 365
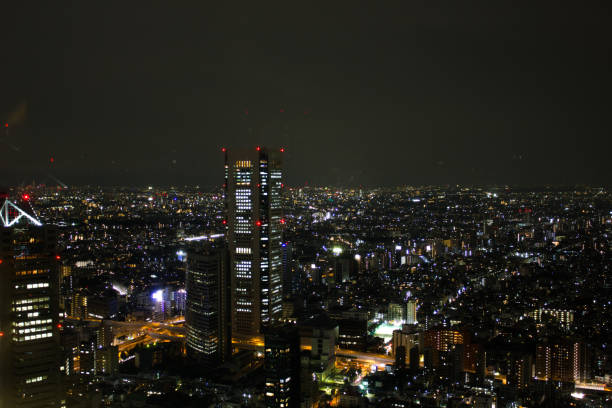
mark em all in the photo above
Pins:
pixel 254 220
pixel 29 315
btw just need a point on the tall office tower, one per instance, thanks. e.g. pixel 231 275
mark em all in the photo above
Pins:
pixel 254 234
pixel 411 315
pixel 282 367
pixel 29 309
pixel 207 314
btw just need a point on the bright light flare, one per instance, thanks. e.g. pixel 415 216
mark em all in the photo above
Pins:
pixel 158 295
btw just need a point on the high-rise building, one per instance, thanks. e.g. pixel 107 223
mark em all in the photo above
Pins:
pixel 406 339
pixel 78 307
pixel 253 184
pixel 207 316
pixel 396 312
pixel 282 367
pixel 519 370
pixel 564 317
pixel 441 339
pixel 411 312
pixel 318 339
pixel 29 309
pixel 560 361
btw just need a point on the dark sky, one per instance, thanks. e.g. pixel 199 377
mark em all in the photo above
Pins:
pixel 441 92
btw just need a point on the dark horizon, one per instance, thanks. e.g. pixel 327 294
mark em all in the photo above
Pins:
pixel 469 94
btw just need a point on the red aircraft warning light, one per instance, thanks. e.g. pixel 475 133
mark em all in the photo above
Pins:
pixel 58 257
pixel 59 325
pixel 224 222
pixel 258 148
pixel 26 197
pixel 282 220
pixel 258 223
pixel 282 149
pixel 223 149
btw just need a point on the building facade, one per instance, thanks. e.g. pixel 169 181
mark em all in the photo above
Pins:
pixel 253 185
pixel 207 317
pixel 282 367
pixel 29 315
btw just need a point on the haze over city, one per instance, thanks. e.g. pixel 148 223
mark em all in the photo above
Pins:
pixel 404 93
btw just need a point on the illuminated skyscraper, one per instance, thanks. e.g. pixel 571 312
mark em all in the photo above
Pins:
pixel 282 368
pixel 29 303
pixel 411 315
pixel 253 184
pixel 207 310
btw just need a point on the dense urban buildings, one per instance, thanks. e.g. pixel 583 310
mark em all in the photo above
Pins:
pixel 258 205
pixel 430 296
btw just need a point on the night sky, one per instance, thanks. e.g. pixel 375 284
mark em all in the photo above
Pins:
pixel 428 92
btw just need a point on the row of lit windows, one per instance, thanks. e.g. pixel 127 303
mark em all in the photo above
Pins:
pixel 243 163
pixel 34 330
pixel 31 323
pixel 31 272
pixel 243 250
pixel 37 285
pixel 36 379
pixel 31 300
pixel 26 308
pixel 33 337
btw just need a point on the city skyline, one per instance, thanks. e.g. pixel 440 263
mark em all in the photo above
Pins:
pixel 495 295
pixel 293 205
